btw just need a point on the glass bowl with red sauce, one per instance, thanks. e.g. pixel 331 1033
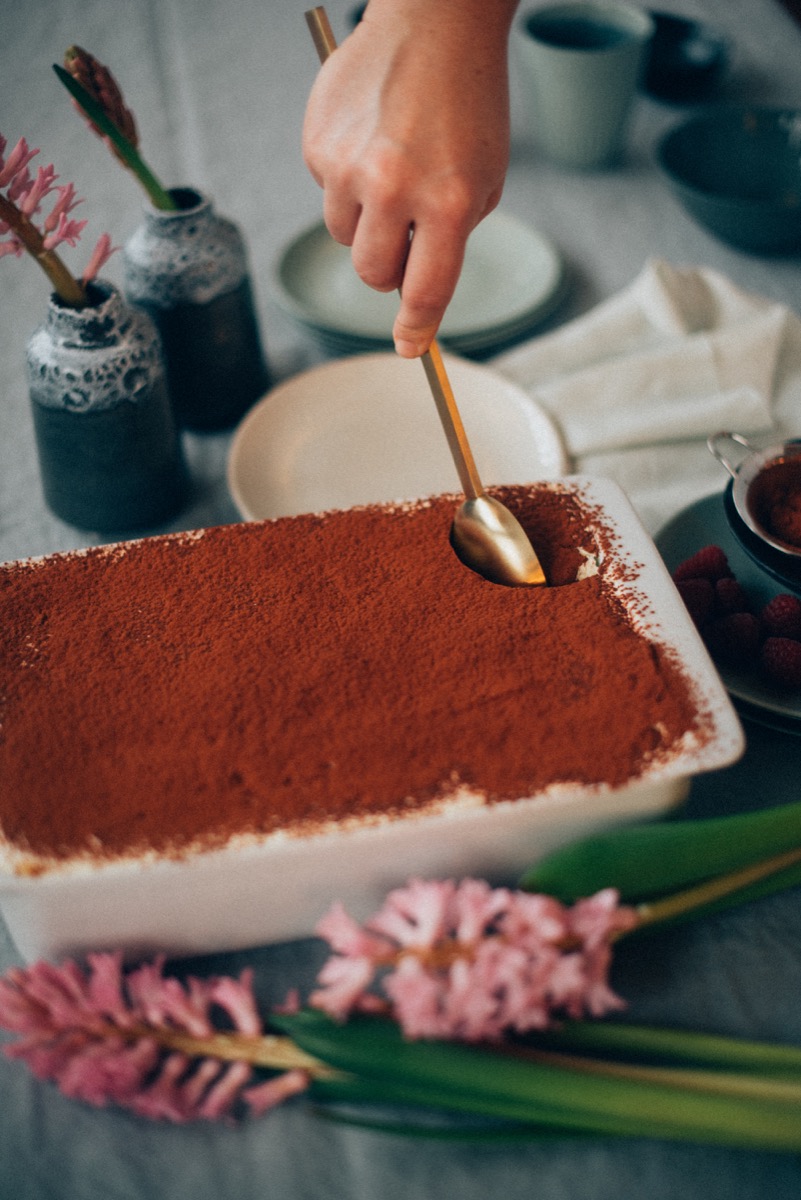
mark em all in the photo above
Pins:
pixel 763 502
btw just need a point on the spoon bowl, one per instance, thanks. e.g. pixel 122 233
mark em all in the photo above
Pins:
pixel 487 538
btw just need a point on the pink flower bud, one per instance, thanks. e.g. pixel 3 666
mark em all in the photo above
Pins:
pixel 38 189
pixel 66 202
pixel 65 231
pixel 20 185
pixel 17 161
pixel 100 256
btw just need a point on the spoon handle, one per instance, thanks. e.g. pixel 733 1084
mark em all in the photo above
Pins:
pixel 452 422
pixel 322 34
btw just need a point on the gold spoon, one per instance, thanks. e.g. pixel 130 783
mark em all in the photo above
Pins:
pixel 485 535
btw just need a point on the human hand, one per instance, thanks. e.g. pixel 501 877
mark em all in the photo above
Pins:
pixel 407 132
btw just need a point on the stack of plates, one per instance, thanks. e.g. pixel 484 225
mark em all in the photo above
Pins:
pixel 512 279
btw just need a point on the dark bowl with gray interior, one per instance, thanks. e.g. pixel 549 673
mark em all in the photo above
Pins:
pixel 737 171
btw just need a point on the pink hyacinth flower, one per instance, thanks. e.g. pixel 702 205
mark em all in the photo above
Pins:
pixel 469 962
pixel 105 1037
pixel 21 200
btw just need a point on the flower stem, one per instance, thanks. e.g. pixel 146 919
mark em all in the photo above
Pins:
pixel 65 285
pixel 722 1083
pixel 683 1046
pixel 131 157
pixel 271 1051
pixel 682 903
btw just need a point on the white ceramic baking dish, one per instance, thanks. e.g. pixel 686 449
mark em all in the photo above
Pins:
pixel 259 891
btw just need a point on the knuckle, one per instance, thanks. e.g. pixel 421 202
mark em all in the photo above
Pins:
pixel 382 180
pixel 454 202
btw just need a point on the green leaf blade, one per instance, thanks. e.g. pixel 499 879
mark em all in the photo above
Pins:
pixel 675 1045
pixel 475 1080
pixel 160 197
pixel 644 861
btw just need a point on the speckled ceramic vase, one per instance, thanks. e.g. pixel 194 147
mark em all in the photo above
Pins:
pixel 189 270
pixel 109 450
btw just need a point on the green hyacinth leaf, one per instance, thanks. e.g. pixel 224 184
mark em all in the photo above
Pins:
pixel 563 1093
pixel 160 197
pixel 645 861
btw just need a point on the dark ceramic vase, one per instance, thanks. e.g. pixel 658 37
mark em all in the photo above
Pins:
pixel 109 451
pixel 188 269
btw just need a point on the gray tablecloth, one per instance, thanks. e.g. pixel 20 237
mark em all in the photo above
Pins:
pixel 219 93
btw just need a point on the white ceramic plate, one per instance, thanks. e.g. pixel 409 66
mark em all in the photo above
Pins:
pixel 704 523
pixel 364 430
pixel 511 275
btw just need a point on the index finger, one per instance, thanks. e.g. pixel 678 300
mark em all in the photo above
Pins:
pixel 433 266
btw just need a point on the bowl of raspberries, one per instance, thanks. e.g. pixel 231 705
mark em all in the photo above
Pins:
pixel 743 632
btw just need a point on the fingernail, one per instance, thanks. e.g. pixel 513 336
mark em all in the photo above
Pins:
pixel 409 349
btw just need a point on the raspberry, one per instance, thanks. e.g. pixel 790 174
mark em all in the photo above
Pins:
pixel 734 640
pixel 730 596
pixel 781 616
pixel 710 562
pixel 780 660
pixel 699 598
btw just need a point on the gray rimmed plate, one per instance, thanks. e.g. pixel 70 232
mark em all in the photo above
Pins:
pixel 512 278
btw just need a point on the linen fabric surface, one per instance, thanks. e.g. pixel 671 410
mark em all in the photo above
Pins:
pixel 218 92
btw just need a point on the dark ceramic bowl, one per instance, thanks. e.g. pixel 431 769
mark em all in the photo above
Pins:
pixel 737 171
pixel 757 480
pixel 686 60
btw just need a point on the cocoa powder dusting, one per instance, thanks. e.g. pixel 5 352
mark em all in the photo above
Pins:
pixel 265 676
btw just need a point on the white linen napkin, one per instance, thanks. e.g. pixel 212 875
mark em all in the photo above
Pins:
pixel 637 384
pixel 679 353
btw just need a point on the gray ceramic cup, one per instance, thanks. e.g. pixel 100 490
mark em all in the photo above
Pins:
pixel 580 64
